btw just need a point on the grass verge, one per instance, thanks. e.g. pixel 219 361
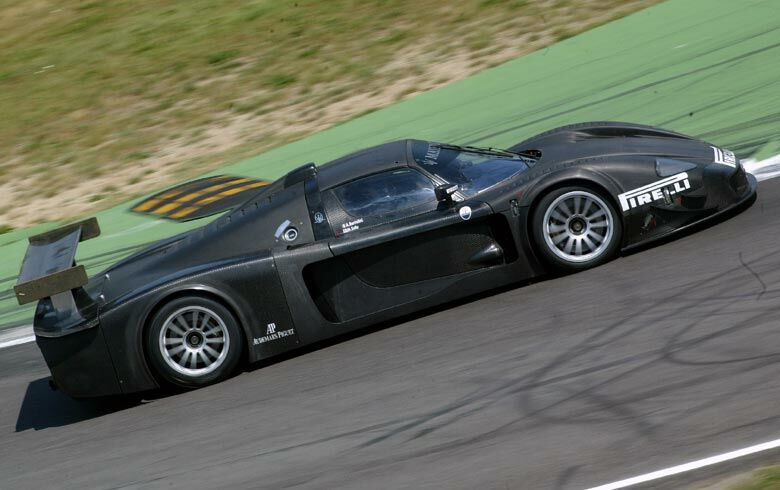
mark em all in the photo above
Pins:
pixel 762 479
pixel 103 101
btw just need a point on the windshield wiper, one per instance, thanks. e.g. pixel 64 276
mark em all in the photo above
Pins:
pixel 486 151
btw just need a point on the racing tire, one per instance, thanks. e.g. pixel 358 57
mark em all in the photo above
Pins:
pixel 576 228
pixel 194 341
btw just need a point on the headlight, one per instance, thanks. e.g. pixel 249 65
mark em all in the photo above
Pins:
pixel 666 167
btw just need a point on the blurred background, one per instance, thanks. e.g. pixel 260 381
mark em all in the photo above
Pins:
pixel 104 101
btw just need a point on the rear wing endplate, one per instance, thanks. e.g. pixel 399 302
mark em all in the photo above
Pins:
pixel 49 268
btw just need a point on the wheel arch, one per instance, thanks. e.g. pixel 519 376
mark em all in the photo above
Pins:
pixel 600 183
pixel 202 291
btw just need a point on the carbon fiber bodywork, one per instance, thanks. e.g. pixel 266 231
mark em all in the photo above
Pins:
pixel 283 258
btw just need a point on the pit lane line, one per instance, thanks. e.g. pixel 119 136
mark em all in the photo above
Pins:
pixel 763 170
pixel 693 465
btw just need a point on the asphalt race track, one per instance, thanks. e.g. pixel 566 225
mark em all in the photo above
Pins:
pixel 658 358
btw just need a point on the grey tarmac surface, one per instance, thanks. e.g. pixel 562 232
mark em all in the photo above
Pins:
pixel 656 359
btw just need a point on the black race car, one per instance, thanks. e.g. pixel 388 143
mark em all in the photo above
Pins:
pixel 366 238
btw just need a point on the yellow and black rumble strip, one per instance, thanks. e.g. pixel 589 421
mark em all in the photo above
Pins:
pixel 199 198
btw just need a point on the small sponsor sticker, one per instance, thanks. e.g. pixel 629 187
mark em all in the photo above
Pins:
pixel 432 155
pixel 654 192
pixel 725 157
pixel 271 334
pixel 465 213
pixel 319 217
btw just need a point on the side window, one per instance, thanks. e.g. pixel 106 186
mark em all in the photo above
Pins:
pixel 396 192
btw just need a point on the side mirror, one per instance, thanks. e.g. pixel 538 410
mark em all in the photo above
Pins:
pixel 444 192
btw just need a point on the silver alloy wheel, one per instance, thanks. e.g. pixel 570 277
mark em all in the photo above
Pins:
pixel 578 226
pixel 194 341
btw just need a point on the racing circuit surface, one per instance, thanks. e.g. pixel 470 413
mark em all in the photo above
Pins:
pixel 658 358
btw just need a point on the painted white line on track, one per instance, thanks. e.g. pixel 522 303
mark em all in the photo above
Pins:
pixel 23 340
pixel 764 169
pixel 16 336
pixel 694 465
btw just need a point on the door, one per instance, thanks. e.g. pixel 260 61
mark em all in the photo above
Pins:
pixel 396 246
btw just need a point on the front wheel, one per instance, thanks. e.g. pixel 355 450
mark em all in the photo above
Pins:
pixel 576 228
pixel 194 341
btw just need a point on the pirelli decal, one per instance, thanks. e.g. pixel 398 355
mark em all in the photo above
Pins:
pixel 663 189
pixel 199 198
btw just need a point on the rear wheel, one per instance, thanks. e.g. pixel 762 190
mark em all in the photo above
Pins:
pixel 194 341
pixel 576 228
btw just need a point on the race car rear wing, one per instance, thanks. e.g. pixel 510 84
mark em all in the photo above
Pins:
pixel 49 268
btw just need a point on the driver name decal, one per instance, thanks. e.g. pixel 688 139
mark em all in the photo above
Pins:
pixel 351 225
pixel 654 192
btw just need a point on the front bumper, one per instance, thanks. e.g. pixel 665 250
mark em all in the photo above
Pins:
pixel 723 193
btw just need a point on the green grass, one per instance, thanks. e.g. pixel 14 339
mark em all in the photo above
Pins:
pixel 88 88
pixel 762 479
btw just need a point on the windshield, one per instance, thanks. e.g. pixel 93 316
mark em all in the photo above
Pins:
pixel 474 170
